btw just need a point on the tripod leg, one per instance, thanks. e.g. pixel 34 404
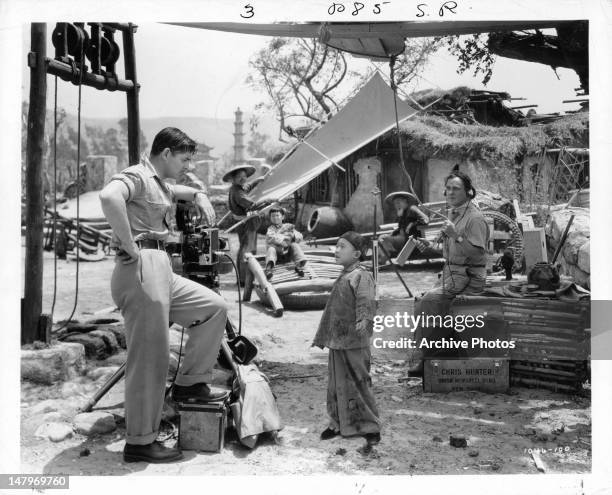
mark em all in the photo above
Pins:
pixel 110 383
pixel 395 269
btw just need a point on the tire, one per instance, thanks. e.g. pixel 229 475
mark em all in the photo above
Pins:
pixel 516 243
pixel 305 300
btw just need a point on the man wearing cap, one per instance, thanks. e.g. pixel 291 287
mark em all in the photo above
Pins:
pixel 464 236
pixel 409 217
pixel 137 204
pixel 241 205
pixel 282 242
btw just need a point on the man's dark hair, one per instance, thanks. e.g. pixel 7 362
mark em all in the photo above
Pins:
pixel 278 209
pixel 172 138
pixel 465 180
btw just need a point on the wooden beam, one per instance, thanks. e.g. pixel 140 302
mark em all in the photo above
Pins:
pixel 32 302
pixel 65 72
pixel 133 109
pixel 411 29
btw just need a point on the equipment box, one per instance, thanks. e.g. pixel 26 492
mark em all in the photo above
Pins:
pixel 202 426
pixel 452 375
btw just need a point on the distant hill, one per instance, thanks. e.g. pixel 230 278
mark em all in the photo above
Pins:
pixel 217 133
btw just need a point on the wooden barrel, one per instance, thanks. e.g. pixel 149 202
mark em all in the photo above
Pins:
pixel 328 221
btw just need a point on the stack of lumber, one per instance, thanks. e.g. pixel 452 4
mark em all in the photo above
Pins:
pixel 552 342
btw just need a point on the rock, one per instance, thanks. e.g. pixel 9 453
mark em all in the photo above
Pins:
pixel 584 257
pixel 84 452
pixel 478 410
pixel 458 441
pixel 341 451
pixel 95 347
pixel 45 406
pixel 473 453
pixel 103 372
pixel 395 398
pixel 72 390
pixel 119 333
pixel 436 438
pixel 56 432
pixel 96 422
pixel 57 363
pixel 109 340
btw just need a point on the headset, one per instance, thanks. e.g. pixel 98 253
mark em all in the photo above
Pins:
pixel 465 180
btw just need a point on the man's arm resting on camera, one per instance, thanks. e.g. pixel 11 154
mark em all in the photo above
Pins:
pixel 199 197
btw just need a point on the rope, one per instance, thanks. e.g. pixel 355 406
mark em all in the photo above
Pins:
pixel 78 181
pixel 54 200
pixel 397 126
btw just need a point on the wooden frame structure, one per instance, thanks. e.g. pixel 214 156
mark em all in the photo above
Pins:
pixel 69 68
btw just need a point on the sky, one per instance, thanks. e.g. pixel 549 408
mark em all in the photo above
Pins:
pixel 201 73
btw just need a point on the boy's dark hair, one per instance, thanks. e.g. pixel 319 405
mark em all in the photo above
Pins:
pixel 173 138
pixel 357 241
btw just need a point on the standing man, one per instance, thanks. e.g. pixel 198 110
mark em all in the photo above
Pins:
pixel 464 236
pixel 137 204
pixel 240 205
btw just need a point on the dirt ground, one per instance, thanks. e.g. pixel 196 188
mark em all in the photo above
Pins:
pixel 500 428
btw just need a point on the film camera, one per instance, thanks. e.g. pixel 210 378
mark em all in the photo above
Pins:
pixel 197 255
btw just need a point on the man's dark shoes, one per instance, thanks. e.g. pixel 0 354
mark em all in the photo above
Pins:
pixel 154 452
pixel 372 438
pixel 416 370
pixel 200 392
pixel 268 271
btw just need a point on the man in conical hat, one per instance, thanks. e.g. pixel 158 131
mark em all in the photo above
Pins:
pixel 409 217
pixel 240 205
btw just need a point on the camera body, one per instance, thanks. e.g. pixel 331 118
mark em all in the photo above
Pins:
pixel 197 255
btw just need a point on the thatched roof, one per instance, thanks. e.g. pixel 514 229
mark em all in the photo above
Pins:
pixel 431 136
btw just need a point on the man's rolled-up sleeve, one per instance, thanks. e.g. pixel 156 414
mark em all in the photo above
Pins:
pixel 477 232
pixel 132 180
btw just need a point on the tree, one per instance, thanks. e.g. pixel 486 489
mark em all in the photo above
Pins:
pixel 567 48
pixel 307 79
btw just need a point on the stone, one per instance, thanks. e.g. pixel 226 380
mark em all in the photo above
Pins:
pixel 54 431
pixel 45 406
pixel 95 347
pixel 97 422
pixel 109 339
pixel 103 372
pixel 436 438
pixel 458 441
pixel 119 332
pixel 57 363
pixel 584 257
pixel 395 398
pixel 473 453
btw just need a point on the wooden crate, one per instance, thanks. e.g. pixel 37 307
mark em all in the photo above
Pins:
pixel 454 375
pixel 202 426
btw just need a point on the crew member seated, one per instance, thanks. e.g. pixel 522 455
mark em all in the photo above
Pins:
pixel 409 217
pixel 282 242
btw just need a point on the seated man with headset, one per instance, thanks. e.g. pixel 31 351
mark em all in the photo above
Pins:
pixel 464 236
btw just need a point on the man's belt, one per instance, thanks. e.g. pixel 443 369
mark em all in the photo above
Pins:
pixel 151 244
pixel 469 265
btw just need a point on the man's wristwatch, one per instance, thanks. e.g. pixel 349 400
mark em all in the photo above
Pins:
pixel 459 238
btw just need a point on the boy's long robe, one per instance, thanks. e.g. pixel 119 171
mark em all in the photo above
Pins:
pixel 350 401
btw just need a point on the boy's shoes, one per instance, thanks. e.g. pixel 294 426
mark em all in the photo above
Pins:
pixel 328 434
pixel 372 438
pixel 154 452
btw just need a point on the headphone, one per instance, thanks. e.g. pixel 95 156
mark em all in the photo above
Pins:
pixel 465 180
